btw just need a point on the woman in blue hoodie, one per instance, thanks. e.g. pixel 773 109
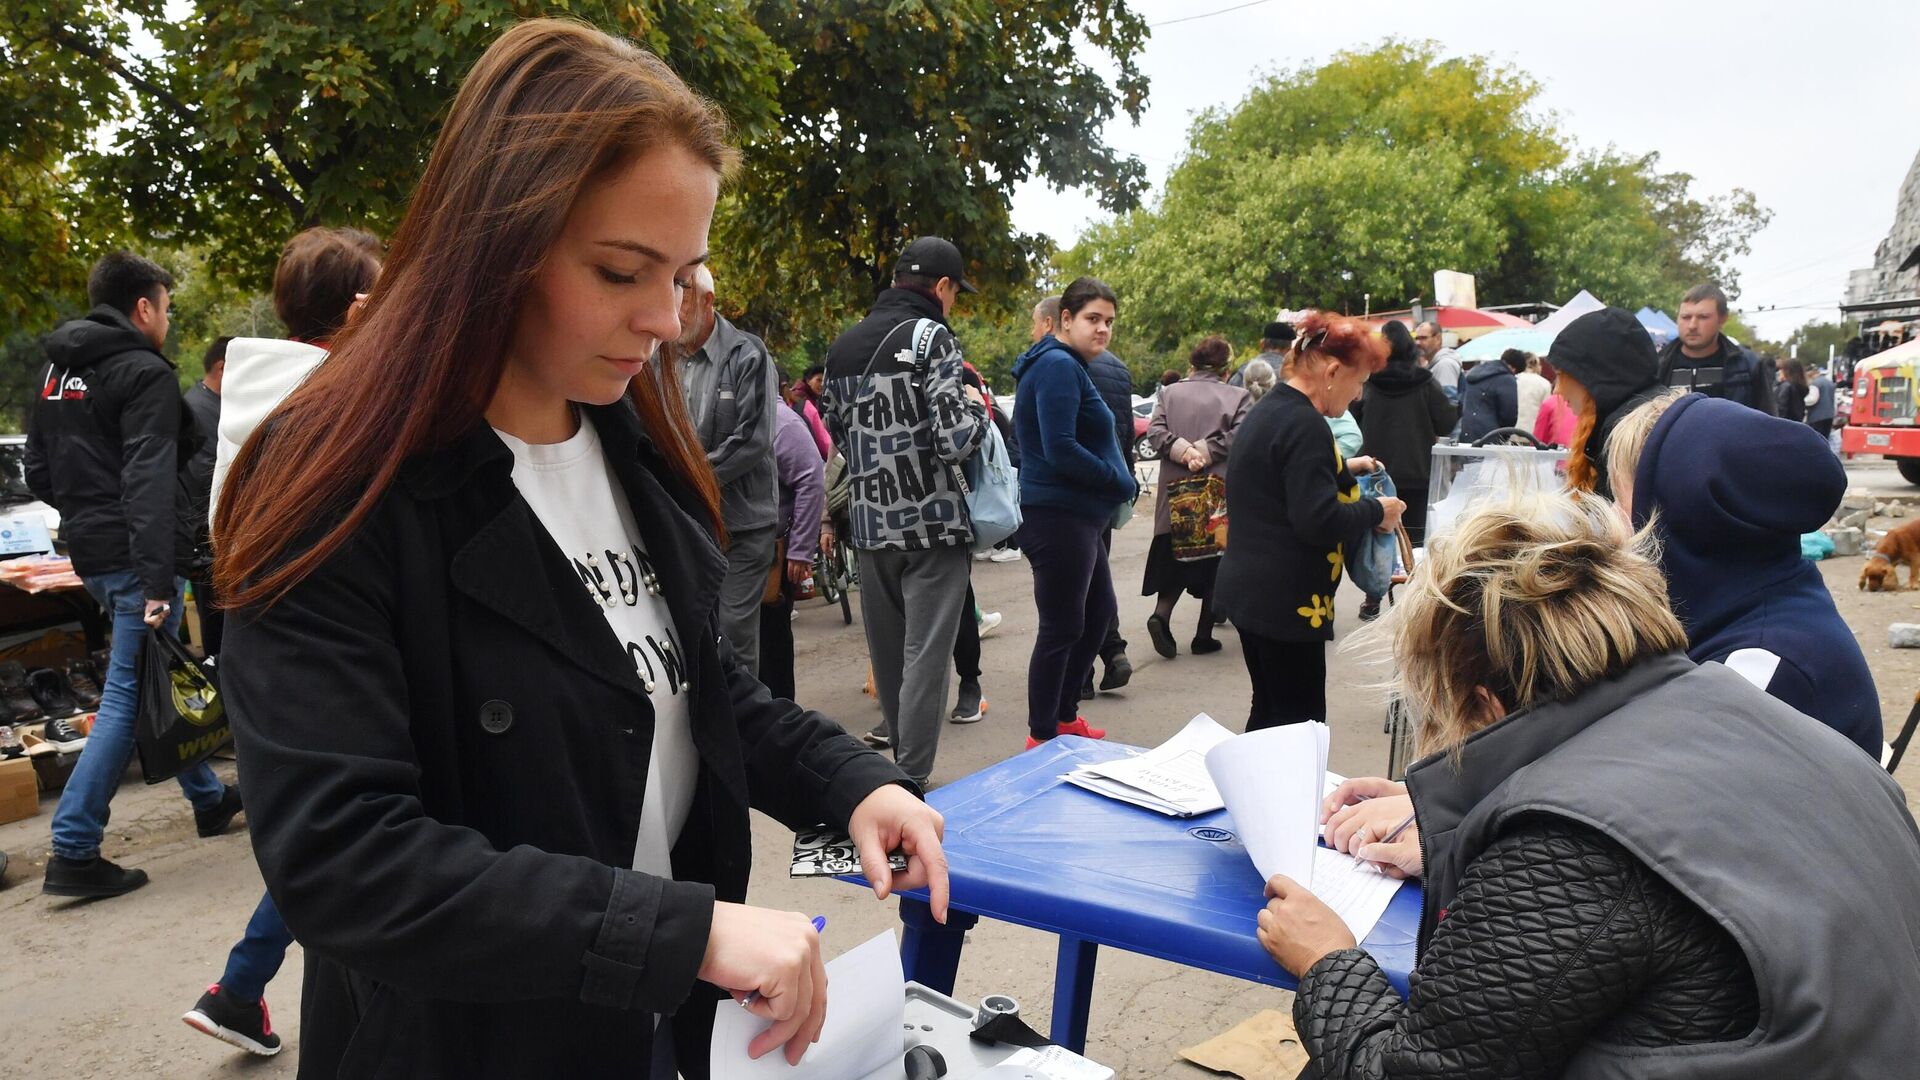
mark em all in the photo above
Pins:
pixel 1072 480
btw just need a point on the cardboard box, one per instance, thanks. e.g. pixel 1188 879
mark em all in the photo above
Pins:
pixel 19 790
pixel 52 766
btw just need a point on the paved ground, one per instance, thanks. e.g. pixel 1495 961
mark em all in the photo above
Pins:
pixel 96 990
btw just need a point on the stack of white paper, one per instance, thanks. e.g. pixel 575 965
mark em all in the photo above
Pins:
pixel 1171 778
pixel 866 1007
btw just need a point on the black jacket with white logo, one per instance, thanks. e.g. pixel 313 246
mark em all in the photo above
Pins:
pixel 105 446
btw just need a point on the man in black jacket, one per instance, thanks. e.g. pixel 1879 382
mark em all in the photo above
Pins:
pixel 1704 360
pixel 104 449
pixel 203 406
pixel 1115 386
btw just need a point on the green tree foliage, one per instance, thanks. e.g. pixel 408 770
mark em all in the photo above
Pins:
pixel 1366 174
pixel 1813 338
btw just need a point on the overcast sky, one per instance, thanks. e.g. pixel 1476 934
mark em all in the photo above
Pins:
pixel 1799 108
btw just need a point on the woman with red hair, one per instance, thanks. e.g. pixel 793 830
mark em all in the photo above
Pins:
pixel 1294 506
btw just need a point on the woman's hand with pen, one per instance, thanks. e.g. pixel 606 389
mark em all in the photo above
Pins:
pixel 771 962
pixel 1371 818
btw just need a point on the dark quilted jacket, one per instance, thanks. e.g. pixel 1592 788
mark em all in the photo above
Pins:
pixel 1558 936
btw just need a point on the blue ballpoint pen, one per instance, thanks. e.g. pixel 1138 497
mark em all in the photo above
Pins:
pixel 819 927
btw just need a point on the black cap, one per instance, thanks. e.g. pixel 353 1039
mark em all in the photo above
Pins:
pixel 930 256
pixel 1277 331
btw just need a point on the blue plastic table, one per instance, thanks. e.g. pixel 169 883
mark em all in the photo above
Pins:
pixel 1026 847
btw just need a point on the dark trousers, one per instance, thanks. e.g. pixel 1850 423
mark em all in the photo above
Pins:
pixel 1114 645
pixel 1073 594
pixel 1824 427
pixel 256 958
pixel 966 644
pixel 776 645
pixel 1289 680
pixel 1415 517
pixel 212 620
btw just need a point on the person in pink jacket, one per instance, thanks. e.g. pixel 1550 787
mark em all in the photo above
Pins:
pixel 805 397
pixel 1554 426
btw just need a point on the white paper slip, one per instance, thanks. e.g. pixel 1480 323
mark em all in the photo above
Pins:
pixel 1355 890
pixel 1172 778
pixel 1051 1063
pixel 1272 782
pixel 866 1006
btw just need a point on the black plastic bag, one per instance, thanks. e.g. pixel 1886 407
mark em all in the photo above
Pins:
pixel 181 720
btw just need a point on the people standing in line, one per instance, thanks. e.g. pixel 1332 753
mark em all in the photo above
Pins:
pixel 806 394
pixel 1730 548
pixel 1531 387
pixel 1073 480
pixel 733 392
pixel 509 583
pixel 802 478
pixel 1257 376
pixel 1821 403
pixel 1633 865
pixel 1490 396
pixel 105 449
pixel 1294 506
pixel 322 276
pixel 1606 366
pixel 203 405
pixel 1790 392
pixel 1273 352
pixel 1192 434
pixel 1115 385
pixel 1705 360
pixel 1438 358
pixel 902 416
pixel 1402 414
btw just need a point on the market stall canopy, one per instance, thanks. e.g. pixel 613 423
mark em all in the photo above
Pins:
pixel 1658 324
pixel 1490 346
pixel 1583 303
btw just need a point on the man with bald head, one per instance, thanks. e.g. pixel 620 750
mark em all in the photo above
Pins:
pixel 730 384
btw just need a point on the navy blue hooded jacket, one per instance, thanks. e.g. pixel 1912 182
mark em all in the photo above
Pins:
pixel 1115 386
pixel 1069 456
pixel 1489 401
pixel 1735 489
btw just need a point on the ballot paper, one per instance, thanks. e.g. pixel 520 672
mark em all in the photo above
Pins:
pixel 1273 782
pixel 1171 778
pixel 866 1007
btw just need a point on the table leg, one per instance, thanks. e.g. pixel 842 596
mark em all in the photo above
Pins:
pixel 1073 992
pixel 930 952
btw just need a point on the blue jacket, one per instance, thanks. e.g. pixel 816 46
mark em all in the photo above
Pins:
pixel 1069 457
pixel 1735 489
pixel 1489 400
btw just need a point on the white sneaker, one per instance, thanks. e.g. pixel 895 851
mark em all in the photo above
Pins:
pixel 989 622
pixel 1004 555
pixel 983 556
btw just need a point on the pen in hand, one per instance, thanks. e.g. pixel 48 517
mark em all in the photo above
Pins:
pixel 819 927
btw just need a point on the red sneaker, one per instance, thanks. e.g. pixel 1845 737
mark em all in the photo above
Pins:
pixel 1079 727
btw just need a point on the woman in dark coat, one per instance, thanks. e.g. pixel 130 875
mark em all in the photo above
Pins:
pixel 1610 889
pixel 1292 508
pixel 1790 392
pixel 497 758
pixel 1192 434
pixel 1402 412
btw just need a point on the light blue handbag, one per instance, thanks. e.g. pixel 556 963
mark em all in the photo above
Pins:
pixel 1370 557
pixel 992 489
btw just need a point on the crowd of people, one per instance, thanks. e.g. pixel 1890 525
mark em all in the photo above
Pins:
pixel 512 651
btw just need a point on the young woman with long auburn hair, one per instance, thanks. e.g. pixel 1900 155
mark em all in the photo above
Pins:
pixel 497 758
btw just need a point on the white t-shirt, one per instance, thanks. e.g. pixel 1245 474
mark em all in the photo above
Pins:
pixel 576 497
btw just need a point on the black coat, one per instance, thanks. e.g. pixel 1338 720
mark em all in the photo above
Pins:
pixel 444 753
pixel 1489 400
pixel 1114 384
pixel 1401 413
pixel 1292 508
pixel 106 442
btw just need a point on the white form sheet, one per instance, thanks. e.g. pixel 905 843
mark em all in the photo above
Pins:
pixel 1172 778
pixel 866 1006
pixel 1273 782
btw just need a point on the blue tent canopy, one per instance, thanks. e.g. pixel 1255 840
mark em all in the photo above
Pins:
pixel 1659 326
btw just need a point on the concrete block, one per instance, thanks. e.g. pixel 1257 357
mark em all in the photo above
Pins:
pixel 1897 510
pixel 1857 499
pixel 1904 635
pixel 1845 541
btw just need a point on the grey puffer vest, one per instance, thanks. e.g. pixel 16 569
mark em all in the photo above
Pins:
pixel 1768 820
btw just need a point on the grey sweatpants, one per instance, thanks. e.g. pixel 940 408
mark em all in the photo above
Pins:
pixel 910 604
pixel 749 555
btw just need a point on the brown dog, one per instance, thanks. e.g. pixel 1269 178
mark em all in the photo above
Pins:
pixel 1902 545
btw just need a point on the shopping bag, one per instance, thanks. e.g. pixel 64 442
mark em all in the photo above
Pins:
pixel 181 720
pixel 1370 557
pixel 1197 517
pixel 992 489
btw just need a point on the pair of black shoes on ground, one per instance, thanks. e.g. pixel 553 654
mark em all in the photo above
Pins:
pixel 1203 642
pixel 1119 673
pixel 97 878
pixel 45 692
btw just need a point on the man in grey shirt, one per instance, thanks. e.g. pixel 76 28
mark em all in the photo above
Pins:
pixel 729 381
pixel 1437 358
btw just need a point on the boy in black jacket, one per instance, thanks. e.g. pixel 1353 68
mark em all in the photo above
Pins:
pixel 104 449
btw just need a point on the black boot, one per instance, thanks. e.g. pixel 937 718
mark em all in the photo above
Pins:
pixel 215 821
pixel 85 680
pixel 1119 672
pixel 50 689
pixel 91 878
pixel 14 695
